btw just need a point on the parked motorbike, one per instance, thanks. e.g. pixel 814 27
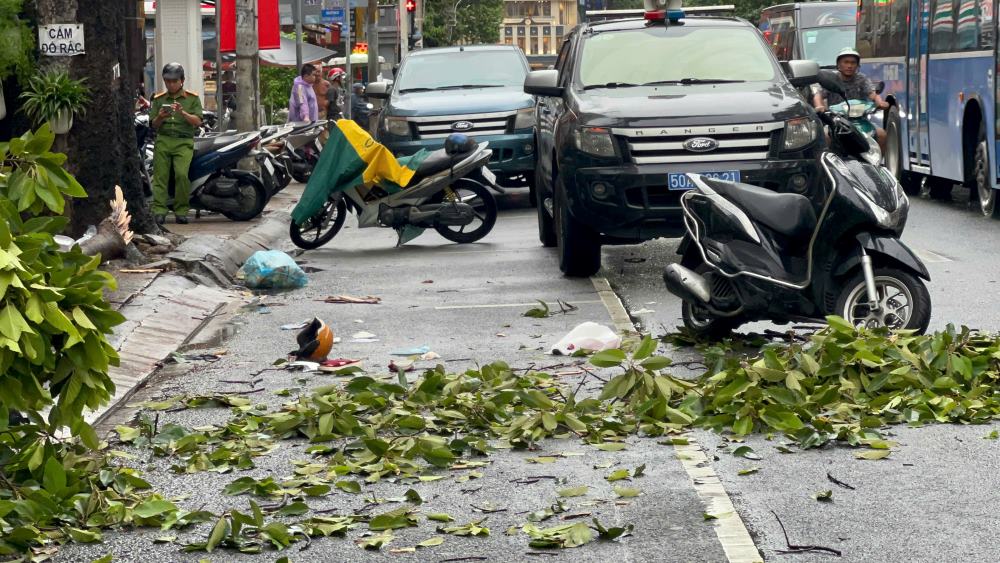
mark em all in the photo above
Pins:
pixel 217 184
pixel 449 193
pixel 303 147
pixel 271 160
pixel 754 254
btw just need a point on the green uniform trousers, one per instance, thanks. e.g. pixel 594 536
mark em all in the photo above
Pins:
pixel 176 153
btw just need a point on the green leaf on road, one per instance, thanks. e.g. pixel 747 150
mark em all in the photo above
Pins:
pixel 824 496
pixel 573 491
pixel 873 454
pixel 627 492
pixel 618 475
pixel 440 517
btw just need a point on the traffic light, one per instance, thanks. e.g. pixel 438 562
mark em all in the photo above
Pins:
pixel 411 5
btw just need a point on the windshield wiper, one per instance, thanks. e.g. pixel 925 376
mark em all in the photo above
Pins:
pixel 408 90
pixel 610 85
pixel 468 86
pixel 694 81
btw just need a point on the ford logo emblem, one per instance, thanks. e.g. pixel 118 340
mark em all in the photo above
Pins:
pixel 462 126
pixel 701 144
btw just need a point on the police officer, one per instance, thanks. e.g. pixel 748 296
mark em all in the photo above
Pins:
pixel 176 115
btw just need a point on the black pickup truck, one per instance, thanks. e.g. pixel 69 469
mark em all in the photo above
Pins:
pixel 632 105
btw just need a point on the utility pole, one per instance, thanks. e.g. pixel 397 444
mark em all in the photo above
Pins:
pixel 220 110
pixel 298 35
pixel 349 79
pixel 372 23
pixel 404 30
pixel 247 115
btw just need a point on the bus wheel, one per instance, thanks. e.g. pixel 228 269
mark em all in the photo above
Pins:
pixel 981 174
pixel 894 155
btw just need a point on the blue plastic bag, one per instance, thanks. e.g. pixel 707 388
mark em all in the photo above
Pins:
pixel 273 269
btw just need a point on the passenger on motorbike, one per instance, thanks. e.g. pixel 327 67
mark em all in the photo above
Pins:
pixel 855 84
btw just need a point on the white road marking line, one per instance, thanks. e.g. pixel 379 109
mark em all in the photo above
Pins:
pixel 930 256
pixel 505 305
pixel 729 527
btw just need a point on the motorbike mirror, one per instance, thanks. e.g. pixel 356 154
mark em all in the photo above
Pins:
pixel 801 73
pixel 880 87
pixel 828 80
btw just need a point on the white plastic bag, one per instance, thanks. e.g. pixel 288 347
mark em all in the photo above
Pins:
pixel 587 336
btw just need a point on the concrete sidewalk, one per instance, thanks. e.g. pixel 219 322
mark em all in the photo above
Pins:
pixel 164 310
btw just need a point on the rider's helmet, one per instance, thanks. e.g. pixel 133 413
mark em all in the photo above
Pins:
pixel 457 143
pixel 337 73
pixel 315 341
pixel 173 71
pixel 849 52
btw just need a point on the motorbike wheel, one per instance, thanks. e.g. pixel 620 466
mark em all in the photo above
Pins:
pixel 481 200
pixel 700 322
pixel 546 224
pixel 253 198
pixel 906 304
pixel 301 173
pixel 322 227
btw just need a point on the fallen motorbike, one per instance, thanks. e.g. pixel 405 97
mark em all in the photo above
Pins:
pixel 217 185
pixel 753 254
pixel 448 193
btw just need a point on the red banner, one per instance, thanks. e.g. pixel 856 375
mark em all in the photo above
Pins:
pixel 227 26
pixel 268 25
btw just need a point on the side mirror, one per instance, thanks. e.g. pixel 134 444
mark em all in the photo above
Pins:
pixel 880 87
pixel 543 83
pixel 378 90
pixel 395 69
pixel 801 73
pixel 828 80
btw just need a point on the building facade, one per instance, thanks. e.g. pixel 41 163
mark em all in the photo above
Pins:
pixel 538 26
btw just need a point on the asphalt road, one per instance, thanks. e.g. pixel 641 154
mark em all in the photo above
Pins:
pixel 931 500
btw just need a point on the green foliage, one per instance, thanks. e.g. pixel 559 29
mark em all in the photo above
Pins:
pixel 50 93
pixel 475 22
pixel 54 360
pixel 17 42
pixel 275 88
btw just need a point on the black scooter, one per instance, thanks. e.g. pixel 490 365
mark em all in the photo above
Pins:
pixel 754 254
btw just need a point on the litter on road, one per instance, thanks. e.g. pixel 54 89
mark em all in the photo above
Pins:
pixel 272 269
pixel 366 300
pixel 587 336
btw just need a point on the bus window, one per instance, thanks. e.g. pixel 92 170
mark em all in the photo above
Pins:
pixel 898 30
pixel 942 26
pixel 882 39
pixel 865 28
pixel 967 25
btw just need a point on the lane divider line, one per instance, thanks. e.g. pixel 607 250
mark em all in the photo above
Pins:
pixel 504 305
pixel 729 527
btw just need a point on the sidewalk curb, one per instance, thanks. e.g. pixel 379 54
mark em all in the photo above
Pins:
pixel 219 259
pixel 171 309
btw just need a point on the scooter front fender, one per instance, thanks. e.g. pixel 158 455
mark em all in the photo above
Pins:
pixel 889 248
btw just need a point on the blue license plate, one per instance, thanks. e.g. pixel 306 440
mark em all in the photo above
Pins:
pixel 680 181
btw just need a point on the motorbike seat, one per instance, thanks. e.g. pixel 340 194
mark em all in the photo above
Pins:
pixel 791 215
pixel 205 145
pixel 436 162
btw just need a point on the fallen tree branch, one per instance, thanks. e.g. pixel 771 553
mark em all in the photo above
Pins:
pixel 792 548
pixel 836 481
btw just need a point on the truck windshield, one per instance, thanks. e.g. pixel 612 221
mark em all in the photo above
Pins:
pixel 673 54
pixel 821 44
pixel 462 69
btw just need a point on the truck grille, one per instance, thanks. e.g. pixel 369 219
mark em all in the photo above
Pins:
pixel 666 145
pixel 440 126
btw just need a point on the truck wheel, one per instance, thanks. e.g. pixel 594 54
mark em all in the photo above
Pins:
pixel 579 245
pixel 894 155
pixel 546 224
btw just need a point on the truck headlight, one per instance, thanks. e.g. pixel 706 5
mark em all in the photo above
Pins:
pixel 525 118
pixel 397 126
pixel 596 141
pixel 799 133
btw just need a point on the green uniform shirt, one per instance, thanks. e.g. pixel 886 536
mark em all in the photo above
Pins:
pixel 176 125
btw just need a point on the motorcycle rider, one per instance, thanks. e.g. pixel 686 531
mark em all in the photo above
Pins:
pixel 336 95
pixel 176 115
pixel 856 85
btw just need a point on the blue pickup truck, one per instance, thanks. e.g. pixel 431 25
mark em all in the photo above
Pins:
pixel 476 90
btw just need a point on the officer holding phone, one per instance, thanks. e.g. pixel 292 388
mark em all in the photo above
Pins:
pixel 176 115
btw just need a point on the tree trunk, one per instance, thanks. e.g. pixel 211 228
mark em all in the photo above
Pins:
pixel 247 114
pixel 101 147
